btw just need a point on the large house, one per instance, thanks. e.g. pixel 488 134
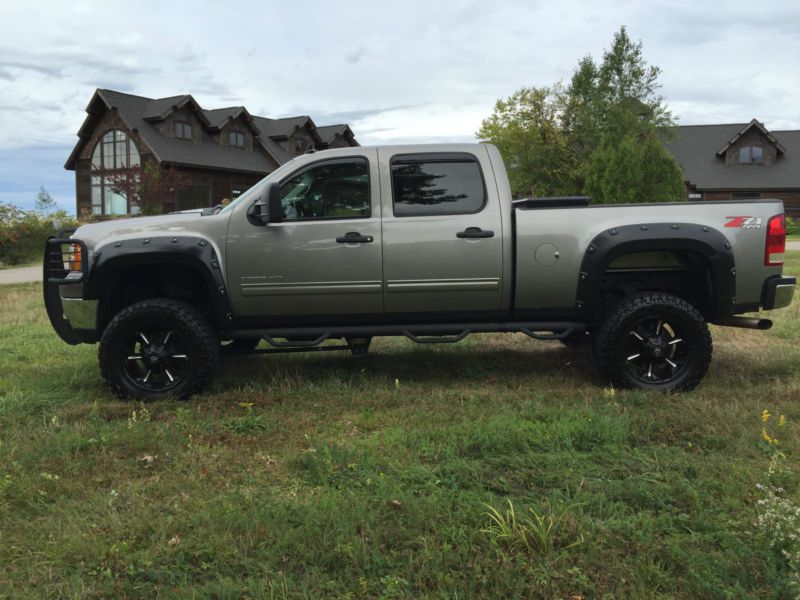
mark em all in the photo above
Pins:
pixel 222 151
pixel 738 161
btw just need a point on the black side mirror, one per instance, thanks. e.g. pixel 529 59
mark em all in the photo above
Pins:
pixel 267 209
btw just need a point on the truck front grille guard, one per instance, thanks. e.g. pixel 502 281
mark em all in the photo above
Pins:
pixel 61 256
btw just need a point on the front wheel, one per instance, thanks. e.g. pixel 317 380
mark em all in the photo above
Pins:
pixel 158 348
pixel 654 341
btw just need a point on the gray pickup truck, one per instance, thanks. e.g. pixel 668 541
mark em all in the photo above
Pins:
pixel 420 241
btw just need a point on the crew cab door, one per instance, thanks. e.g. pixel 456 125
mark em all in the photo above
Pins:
pixel 324 257
pixel 442 233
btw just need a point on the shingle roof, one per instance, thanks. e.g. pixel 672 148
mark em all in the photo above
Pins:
pixel 328 132
pixel 280 127
pixel 206 153
pixel 217 116
pixel 142 113
pixel 695 148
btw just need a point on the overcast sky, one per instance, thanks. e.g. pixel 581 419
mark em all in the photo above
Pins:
pixel 396 71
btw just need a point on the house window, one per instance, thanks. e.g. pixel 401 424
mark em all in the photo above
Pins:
pixel 301 146
pixel 751 154
pixel 114 152
pixel 183 130
pixel 237 189
pixel 194 196
pixel 236 138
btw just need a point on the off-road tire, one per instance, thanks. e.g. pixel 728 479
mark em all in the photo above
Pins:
pixel 610 339
pixel 189 326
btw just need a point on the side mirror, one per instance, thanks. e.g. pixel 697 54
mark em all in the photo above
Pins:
pixel 267 209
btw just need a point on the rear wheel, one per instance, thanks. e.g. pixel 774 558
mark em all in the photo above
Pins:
pixel 655 341
pixel 158 348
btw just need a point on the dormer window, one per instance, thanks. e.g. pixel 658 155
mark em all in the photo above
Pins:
pixel 236 138
pixel 183 130
pixel 301 146
pixel 751 155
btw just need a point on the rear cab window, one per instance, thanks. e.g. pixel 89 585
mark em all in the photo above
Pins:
pixel 437 184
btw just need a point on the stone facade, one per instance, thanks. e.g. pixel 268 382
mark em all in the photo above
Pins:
pixel 753 137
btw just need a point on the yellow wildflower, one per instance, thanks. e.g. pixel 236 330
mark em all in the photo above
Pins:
pixel 765 416
pixel 767 438
pixel 781 421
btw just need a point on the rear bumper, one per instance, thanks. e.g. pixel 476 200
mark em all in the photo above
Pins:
pixel 778 292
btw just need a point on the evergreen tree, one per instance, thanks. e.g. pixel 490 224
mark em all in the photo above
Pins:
pixel 44 201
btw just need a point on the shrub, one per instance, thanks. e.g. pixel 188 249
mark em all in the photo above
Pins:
pixel 23 233
pixel 792 226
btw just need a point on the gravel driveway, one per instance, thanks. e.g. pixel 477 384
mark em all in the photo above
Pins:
pixel 21 275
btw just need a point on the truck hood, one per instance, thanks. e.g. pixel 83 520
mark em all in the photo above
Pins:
pixel 96 235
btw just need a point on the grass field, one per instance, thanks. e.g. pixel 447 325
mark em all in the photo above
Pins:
pixel 301 476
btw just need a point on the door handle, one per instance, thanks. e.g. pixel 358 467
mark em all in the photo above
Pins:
pixel 471 233
pixel 353 237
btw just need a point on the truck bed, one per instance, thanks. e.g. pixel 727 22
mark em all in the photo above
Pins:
pixel 552 242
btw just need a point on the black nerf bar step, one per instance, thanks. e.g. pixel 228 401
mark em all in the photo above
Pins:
pixel 424 333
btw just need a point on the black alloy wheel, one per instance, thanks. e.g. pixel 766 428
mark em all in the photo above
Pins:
pixel 157 359
pixel 655 352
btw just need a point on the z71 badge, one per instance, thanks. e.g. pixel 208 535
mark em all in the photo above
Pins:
pixel 744 222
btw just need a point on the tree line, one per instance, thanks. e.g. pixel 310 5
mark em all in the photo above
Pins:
pixel 600 135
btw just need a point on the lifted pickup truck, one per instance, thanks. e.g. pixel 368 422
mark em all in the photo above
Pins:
pixel 419 241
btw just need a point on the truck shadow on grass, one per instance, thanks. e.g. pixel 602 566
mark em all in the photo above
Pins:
pixel 433 366
pixel 542 365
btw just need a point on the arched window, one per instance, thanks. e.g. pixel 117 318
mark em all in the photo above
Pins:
pixel 236 138
pixel 115 151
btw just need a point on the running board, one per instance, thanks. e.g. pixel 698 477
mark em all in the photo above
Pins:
pixel 423 333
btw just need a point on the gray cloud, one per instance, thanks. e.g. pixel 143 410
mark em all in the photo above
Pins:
pixel 397 72
pixel 355 55
pixel 322 116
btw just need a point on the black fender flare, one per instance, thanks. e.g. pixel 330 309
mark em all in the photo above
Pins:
pixel 700 239
pixel 192 252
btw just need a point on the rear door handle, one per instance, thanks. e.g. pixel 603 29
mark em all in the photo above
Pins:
pixel 353 237
pixel 475 233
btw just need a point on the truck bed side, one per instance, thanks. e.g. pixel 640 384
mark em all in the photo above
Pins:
pixel 552 245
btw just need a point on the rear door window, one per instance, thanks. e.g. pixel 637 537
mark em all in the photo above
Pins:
pixel 437 184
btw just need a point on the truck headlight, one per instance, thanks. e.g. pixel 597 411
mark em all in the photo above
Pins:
pixel 71 254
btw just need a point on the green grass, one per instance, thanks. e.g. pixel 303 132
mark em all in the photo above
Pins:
pixel 300 476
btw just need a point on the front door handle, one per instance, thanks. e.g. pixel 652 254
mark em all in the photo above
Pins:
pixel 353 237
pixel 475 233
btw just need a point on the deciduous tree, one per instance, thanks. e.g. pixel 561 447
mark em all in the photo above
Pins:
pixel 602 135
pixel 148 186
pixel 527 130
